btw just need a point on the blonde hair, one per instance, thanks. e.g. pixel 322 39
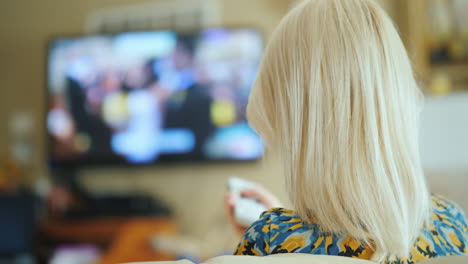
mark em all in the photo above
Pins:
pixel 336 96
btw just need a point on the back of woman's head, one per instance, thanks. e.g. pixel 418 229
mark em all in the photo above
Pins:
pixel 336 97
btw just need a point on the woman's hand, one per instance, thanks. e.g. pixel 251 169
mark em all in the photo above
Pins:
pixel 259 194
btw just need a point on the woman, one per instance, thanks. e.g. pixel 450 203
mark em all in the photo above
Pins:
pixel 337 98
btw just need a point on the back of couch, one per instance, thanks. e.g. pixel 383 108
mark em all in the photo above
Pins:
pixel 304 259
pixel 287 259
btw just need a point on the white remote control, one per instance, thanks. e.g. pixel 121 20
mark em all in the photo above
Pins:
pixel 246 210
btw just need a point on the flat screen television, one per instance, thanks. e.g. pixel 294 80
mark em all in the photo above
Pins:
pixel 152 97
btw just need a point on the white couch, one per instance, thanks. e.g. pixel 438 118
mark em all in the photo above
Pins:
pixel 303 259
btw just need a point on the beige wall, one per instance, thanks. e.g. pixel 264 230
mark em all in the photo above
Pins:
pixel 26 25
pixel 444 145
pixel 195 192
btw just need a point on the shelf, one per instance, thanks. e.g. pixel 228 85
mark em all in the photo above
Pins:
pixel 451 69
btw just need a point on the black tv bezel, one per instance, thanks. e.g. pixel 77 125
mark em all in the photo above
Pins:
pixel 80 163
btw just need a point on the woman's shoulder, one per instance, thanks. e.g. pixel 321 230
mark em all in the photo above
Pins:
pixel 279 211
pixel 280 223
pixel 279 220
pixel 448 213
pixel 447 207
pixel 446 234
pixel 278 230
pixel 441 202
pixel 280 216
pixel 262 237
pixel 282 230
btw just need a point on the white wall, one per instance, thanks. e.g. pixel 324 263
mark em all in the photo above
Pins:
pixel 444 145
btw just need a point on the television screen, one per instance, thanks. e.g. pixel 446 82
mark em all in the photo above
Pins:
pixel 151 97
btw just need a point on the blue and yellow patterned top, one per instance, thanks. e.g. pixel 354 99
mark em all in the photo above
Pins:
pixel 282 231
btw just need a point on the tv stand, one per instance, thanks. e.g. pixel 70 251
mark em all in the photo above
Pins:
pixel 106 205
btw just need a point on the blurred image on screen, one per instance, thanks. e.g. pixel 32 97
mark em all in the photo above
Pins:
pixel 146 97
